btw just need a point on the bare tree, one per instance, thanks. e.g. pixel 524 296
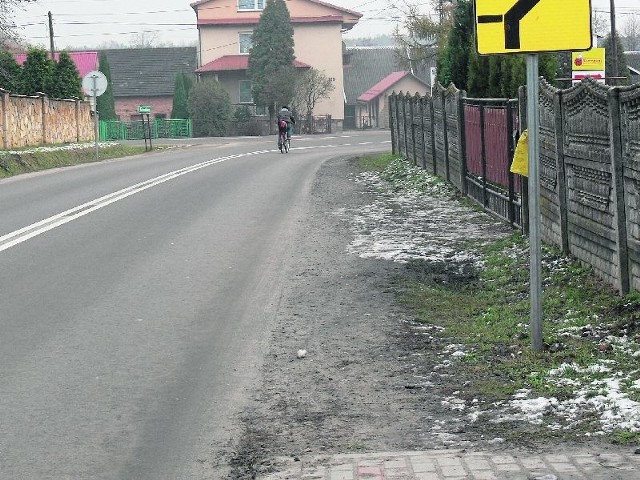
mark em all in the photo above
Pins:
pixel 631 32
pixel 311 87
pixel 424 32
pixel 8 29
pixel 599 23
pixel 144 40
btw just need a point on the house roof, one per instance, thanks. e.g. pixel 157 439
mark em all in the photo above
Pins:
pixel 254 21
pixel 149 72
pixel 235 62
pixel 195 6
pixel 383 85
pixel 85 62
pixel 633 61
pixel 365 67
pixel 337 18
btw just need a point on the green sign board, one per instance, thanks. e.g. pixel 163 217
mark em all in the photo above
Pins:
pixel 144 109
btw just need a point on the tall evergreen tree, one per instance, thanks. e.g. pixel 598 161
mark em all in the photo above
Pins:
pixel 37 73
pixel 66 80
pixel 9 72
pixel 271 53
pixel 478 73
pixel 499 76
pixel 454 64
pixel 105 104
pixel 180 107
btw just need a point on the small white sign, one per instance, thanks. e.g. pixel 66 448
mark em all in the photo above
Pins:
pixel 94 83
pixel 597 75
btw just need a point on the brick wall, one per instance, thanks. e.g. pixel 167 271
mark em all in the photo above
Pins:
pixel 127 107
pixel 30 121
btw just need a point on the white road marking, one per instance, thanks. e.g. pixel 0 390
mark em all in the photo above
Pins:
pixel 30 231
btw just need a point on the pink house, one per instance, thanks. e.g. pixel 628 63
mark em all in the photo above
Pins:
pixel 225 28
pixel 85 61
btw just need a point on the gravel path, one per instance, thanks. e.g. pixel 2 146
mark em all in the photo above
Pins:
pixel 348 371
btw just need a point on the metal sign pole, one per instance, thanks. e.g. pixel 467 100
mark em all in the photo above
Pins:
pixel 95 114
pixel 535 250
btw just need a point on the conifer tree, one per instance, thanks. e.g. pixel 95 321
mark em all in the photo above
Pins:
pixel 105 103
pixel 180 107
pixel 455 62
pixel 272 54
pixel 37 73
pixel 66 82
pixel 9 72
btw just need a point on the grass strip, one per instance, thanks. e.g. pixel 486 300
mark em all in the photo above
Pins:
pixel 16 162
pixel 591 333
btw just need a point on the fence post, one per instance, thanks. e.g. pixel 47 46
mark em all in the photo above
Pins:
pixel 445 128
pixel 397 108
pixel 392 105
pixel 432 114
pixel 404 123
pixel 43 101
pixel 6 99
pixel 424 150
pixel 620 221
pixel 462 142
pixel 483 157
pixel 560 171
pixel 412 112
pixel 77 115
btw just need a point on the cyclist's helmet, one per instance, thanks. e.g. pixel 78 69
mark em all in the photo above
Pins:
pixel 285 107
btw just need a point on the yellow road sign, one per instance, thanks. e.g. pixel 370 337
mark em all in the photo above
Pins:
pixel 590 60
pixel 528 26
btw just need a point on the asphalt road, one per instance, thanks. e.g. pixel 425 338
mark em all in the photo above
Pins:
pixel 136 299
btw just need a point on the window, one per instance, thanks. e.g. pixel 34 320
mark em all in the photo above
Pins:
pixel 250 4
pixel 244 88
pixel 244 39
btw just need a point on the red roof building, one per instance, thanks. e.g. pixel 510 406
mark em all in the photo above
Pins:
pixel 229 63
pixel 372 109
pixel 85 62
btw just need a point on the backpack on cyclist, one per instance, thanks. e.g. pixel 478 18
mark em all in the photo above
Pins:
pixel 282 125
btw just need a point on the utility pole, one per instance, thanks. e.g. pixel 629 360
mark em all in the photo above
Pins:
pixel 614 41
pixel 53 50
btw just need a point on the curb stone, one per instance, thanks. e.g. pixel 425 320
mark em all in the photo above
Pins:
pixel 460 465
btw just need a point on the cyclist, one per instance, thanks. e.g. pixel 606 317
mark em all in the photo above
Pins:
pixel 285 115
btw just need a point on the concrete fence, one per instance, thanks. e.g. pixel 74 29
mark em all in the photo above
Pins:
pixel 590 176
pixel 589 166
pixel 31 121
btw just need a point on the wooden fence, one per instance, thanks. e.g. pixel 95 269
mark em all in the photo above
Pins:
pixel 589 164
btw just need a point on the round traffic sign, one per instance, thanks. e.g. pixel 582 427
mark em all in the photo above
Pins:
pixel 94 83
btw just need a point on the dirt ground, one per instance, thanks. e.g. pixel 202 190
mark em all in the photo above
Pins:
pixel 371 379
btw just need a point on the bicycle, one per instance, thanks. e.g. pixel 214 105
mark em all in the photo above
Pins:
pixel 284 143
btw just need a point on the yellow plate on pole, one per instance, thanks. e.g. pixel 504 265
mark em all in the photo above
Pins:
pixel 531 26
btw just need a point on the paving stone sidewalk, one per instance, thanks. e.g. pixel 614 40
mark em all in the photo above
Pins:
pixel 462 465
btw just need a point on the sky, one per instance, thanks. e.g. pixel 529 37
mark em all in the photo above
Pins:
pixel 102 23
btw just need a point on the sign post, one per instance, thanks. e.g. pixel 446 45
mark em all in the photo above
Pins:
pixel 533 26
pixel 95 84
pixel 145 113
